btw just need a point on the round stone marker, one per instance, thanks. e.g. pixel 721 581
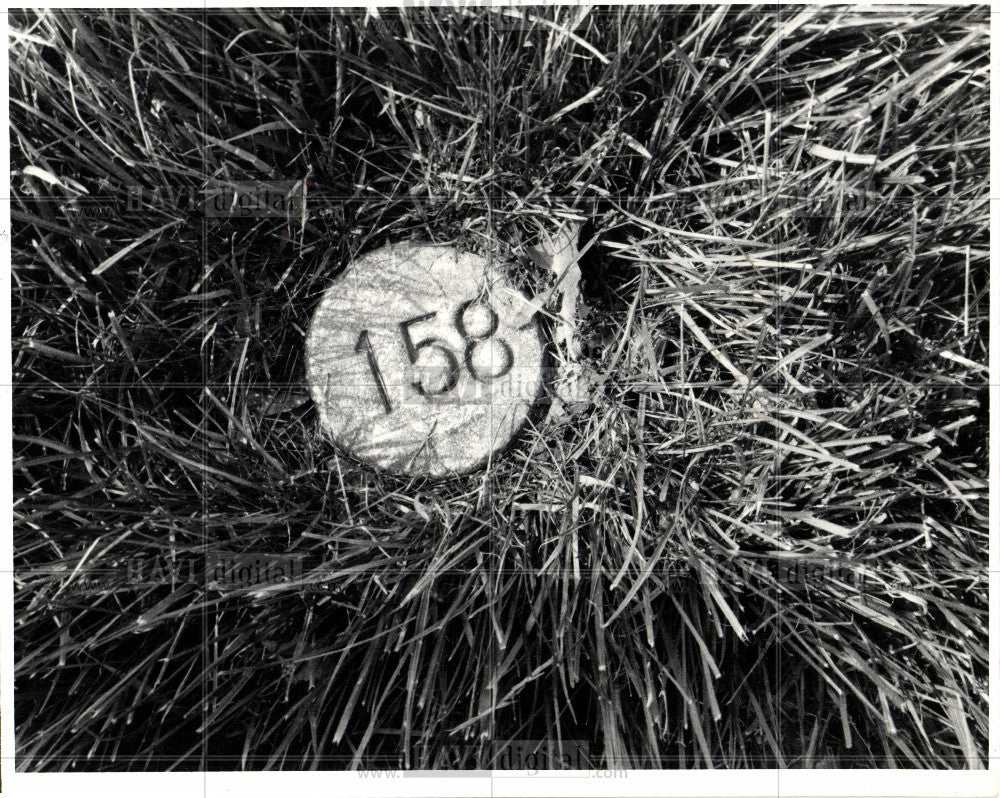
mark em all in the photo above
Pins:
pixel 417 360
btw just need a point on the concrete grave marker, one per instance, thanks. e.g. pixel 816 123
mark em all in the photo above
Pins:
pixel 417 363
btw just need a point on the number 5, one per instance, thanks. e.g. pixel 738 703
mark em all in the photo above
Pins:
pixel 413 353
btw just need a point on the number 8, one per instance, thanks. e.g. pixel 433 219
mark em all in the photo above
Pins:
pixel 477 329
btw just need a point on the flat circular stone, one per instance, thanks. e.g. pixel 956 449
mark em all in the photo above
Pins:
pixel 417 360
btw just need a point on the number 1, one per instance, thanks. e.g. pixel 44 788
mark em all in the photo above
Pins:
pixel 364 344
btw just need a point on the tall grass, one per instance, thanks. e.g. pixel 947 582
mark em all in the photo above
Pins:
pixel 760 541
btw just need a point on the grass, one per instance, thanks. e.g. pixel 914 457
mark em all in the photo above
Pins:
pixel 760 542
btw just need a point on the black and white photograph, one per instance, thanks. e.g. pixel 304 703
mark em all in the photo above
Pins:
pixel 589 394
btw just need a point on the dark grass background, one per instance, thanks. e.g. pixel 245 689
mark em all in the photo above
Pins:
pixel 760 541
